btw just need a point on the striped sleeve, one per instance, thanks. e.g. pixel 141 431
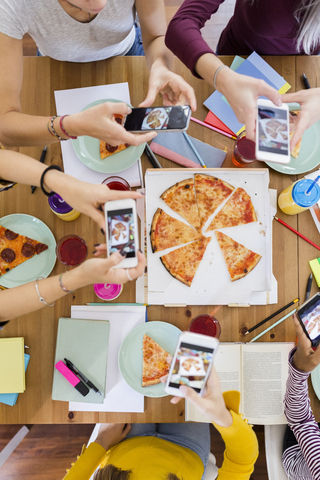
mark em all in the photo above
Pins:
pixel 302 461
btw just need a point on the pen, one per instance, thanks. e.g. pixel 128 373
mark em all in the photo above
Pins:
pixel 305 81
pixel 296 300
pixel 42 159
pixel 152 158
pixel 85 379
pixel 193 148
pixel 309 284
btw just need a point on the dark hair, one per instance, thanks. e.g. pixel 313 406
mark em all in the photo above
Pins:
pixel 110 472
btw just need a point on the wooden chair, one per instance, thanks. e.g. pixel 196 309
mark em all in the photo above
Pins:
pixel 273 438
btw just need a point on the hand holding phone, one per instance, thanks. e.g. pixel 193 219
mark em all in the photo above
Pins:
pixel 309 317
pixel 164 119
pixel 272 132
pixel 122 231
pixel 305 358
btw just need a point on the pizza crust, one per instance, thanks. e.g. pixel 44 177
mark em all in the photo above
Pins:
pixel 154 362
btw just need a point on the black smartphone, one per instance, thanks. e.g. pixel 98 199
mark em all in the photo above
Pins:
pixel 309 317
pixel 164 119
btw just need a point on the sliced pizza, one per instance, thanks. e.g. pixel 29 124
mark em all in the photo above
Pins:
pixel 210 193
pixel 239 260
pixel 183 262
pixel 293 114
pixel 16 249
pixel 181 198
pixel 106 149
pixel 154 363
pixel 167 232
pixel 238 210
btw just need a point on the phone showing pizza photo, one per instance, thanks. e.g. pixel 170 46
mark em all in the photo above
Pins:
pixel 164 119
pixel 122 231
pixel 272 132
pixel 309 317
pixel 191 363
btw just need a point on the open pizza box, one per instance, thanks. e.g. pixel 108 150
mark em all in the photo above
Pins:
pixel 211 284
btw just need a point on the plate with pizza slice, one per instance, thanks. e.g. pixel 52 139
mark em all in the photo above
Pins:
pixel 27 250
pixel 103 157
pixel 143 354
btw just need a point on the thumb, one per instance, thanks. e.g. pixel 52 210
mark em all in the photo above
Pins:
pixel 114 259
pixel 272 94
pixel 118 107
pixel 189 394
pixel 97 217
pixel 151 95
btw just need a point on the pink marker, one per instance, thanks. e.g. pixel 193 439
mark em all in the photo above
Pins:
pixel 72 378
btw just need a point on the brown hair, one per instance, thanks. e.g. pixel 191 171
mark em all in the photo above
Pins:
pixel 110 472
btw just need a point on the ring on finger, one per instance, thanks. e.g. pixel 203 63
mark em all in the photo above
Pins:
pixel 128 275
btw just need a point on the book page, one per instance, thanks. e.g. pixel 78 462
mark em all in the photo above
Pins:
pixel 264 376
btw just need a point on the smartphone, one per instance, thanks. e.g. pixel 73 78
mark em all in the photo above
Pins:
pixel 191 363
pixel 122 230
pixel 309 317
pixel 164 119
pixel 272 132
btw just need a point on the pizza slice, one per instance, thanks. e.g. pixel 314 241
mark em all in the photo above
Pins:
pixel 154 362
pixel 106 149
pixel 183 262
pixel 16 249
pixel 238 210
pixel 181 198
pixel 239 260
pixel 293 119
pixel 167 232
pixel 210 193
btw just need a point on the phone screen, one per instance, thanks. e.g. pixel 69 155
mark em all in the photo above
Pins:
pixel 274 136
pixel 121 234
pixel 158 118
pixel 310 317
pixel 191 366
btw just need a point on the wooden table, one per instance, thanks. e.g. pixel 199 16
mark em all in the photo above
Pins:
pixel 42 76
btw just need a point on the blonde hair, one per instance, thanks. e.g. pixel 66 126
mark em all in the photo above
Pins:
pixel 110 472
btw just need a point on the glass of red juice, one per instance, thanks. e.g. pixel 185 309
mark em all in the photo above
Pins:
pixel 206 325
pixel 244 151
pixel 116 183
pixel 71 250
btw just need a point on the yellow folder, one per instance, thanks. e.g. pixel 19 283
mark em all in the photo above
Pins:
pixel 12 374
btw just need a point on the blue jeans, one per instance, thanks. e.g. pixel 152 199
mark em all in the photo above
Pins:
pixel 195 436
pixel 137 47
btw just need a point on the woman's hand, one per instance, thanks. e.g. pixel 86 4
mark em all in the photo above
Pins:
pixel 99 122
pixel 211 404
pixel 112 433
pixel 175 90
pixel 242 93
pixel 305 358
pixel 310 111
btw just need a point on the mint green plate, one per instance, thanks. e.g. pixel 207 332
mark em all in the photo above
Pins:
pixel 130 354
pixel 315 379
pixel 88 151
pixel 37 266
pixel 309 156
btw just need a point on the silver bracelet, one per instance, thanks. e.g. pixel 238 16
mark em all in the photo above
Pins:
pixel 64 288
pixel 216 74
pixel 41 299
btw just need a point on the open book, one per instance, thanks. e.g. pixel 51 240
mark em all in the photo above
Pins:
pixel 259 372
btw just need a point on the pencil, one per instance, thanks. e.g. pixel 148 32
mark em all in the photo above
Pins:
pixel 215 129
pixel 193 148
pixel 273 315
pixel 152 158
pixel 274 325
pixel 297 233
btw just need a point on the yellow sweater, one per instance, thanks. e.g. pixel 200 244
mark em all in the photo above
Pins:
pixel 153 458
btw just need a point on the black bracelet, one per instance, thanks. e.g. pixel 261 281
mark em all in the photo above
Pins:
pixel 52 167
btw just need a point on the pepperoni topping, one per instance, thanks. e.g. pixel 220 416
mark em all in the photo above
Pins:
pixel 10 235
pixel 127 145
pixel 41 247
pixel 118 120
pixel 8 255
pixel 111 148
pixel 28 250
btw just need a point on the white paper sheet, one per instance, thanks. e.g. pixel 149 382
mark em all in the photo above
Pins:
pixel 212 284
pixel 73 101
pixel 119 396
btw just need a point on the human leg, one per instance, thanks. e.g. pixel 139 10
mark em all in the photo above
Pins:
pixel 142 430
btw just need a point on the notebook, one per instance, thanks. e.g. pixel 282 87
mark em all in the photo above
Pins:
pixel 12 375
pixel 11 398
pixel 85 343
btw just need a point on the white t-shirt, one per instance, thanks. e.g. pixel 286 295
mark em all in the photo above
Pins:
pixel 59 36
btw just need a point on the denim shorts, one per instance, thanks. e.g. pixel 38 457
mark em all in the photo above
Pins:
pixel 137 47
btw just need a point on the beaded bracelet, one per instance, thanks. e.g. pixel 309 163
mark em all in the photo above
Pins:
pixel 62 128
pixel 41 299
pixel 51 167
pixel 53 129
pixel 51 133
pixel 216 74
pixel 64 288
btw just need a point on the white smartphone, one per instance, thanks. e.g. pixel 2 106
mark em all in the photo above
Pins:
pixel 164 119
pixel 191 363
pixel 272 132
pixel 122 230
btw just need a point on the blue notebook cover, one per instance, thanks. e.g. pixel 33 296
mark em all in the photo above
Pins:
pixel 11 398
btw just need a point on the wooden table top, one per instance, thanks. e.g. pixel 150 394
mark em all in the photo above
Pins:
pixel 42 76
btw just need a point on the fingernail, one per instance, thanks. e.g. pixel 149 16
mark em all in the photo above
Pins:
pixel 102 231
pixel 142 193
pixel 140 250
pixel 96 244
pixel 95 251
pixel 123 253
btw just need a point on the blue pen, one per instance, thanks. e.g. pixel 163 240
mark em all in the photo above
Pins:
pixel 193 148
